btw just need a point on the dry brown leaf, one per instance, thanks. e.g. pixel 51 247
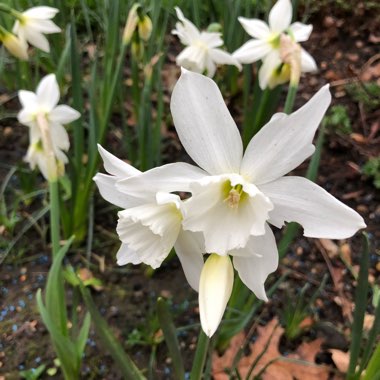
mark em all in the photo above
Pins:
pixel 331 248
pixel 279 369
pixel 345 251
pixel 341 359
pixel 368 321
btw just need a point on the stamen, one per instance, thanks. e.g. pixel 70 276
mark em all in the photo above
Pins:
pixel 234 196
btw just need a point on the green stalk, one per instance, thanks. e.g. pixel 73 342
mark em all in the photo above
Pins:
pixel 54 216
pixel 360 308
pixel 290 98
pixel 200 356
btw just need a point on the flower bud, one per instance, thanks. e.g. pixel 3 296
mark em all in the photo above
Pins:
pixel 145 27
pixel 14 45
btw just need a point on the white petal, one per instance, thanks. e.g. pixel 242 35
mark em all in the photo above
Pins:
pixel 43 26
pixel 28 99
pixel 214 291
pixel 150 230
pixel 225 227
pixel 299 200
pixel 285 142
pixel 259 259
pixel 252 51
pixel 125 255
pixel 280 16
pixel 63 114
pixel 37 39
pixel 115 166
pixel 189 248
pixel 210 66
pixel 221 57
pixel 41 12
pixel 107 188
pixel 48 92
pixel 211 39
pixel 185 29
pixel 255 27
pixel 59 137
pixel 204 124
pixel 192 58
pixel 270 63
pixel 307 62
pixel 26 116
pixel 171 177
pixel 301 32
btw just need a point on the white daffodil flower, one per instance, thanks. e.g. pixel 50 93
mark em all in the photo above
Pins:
pixel 266 41
pixel 34 23
pixel 238 195
pixel 202 52
pixel 151 223
pixel 45 120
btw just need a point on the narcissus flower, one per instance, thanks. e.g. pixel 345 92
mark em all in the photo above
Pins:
pixel 266 44
pixel 238 195
pixel 202 53
pixel 34 23
pixel 150 224
pixel 48 137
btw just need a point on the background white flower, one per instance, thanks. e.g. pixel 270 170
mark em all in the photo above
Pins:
pixel 43 105
pixel 265 44
pixel 34 23
pixel 202 52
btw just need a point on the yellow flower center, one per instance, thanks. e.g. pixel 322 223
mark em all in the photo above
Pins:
pixel 233 195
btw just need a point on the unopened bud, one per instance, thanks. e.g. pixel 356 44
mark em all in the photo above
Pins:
pixel 215 27
pixel 14 45
pixel 145 28
pixel 137 49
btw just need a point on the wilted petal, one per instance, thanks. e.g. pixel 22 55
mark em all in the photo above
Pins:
pixel 252 51
pixel 63 114
pixel 307 62
pixel 280 16
pixel 255 28
pixel 204 124
pixel 48 92
pixel 214 291
pixel 115 166
pixel 285 142
pixel 256 261
pixel 301 32
pixel 321 215
pixel 189 248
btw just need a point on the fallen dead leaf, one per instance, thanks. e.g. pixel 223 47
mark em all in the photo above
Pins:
pixel 368 321
pixel 341 359
pixel 331 248
pixel 299 365
pixel 345 250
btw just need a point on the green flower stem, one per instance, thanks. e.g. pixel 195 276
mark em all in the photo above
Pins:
pixel 290 98
pixel 54 216
pixel 200 356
